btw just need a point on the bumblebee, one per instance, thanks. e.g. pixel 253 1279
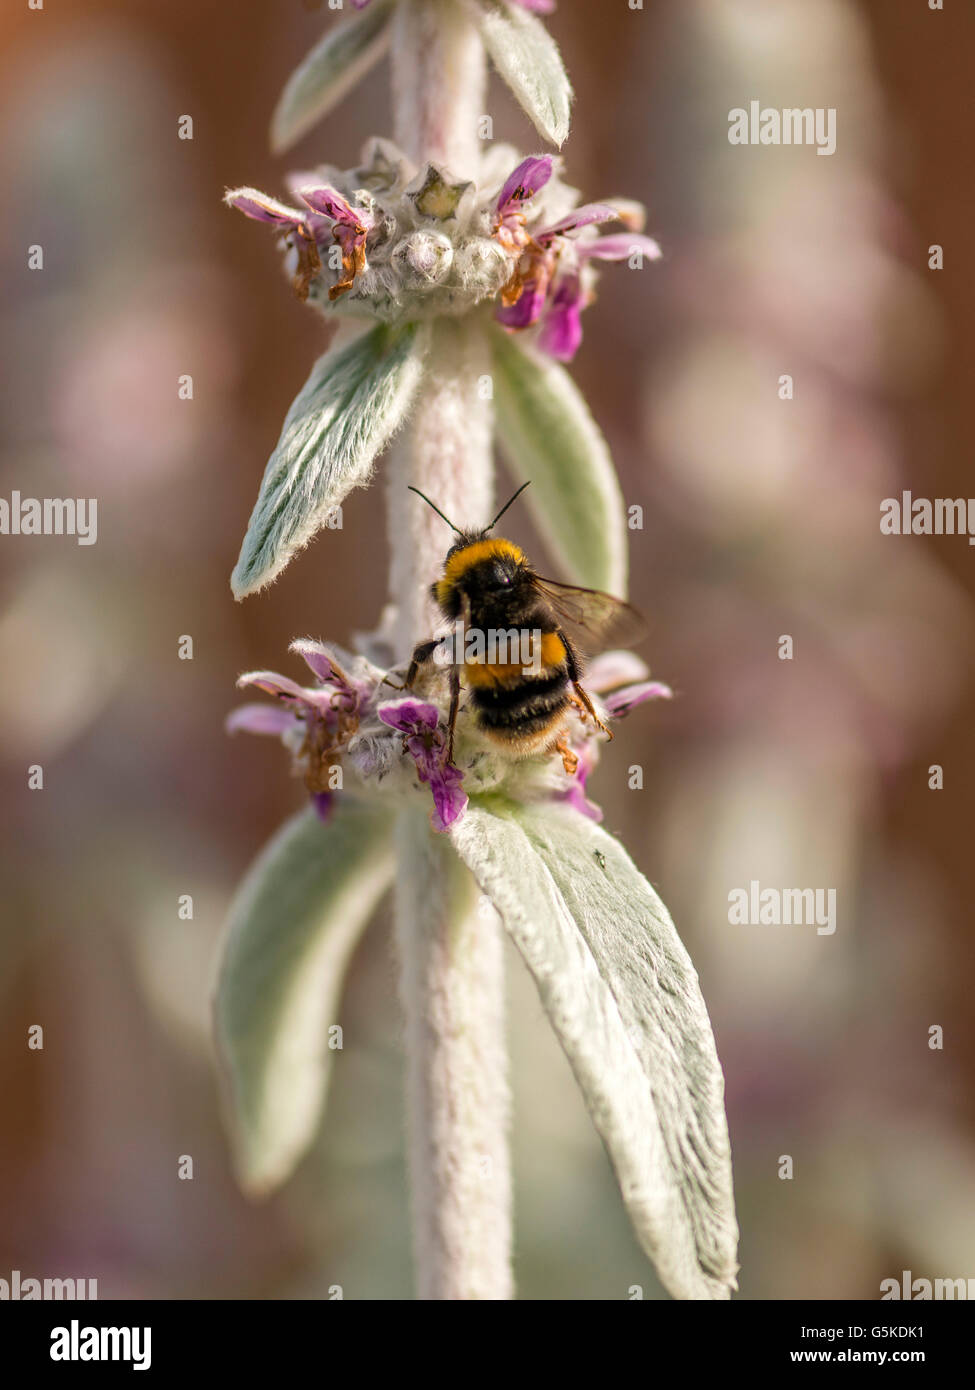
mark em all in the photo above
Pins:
pixel 519 700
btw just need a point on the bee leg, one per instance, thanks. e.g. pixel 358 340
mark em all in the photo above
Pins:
pixel 570 760
pixel 421 653
pixel 590 709
pixel 452 717
pixel 581 698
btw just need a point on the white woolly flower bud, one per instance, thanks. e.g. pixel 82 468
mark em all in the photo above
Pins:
pixel 482 266
pixel 424 256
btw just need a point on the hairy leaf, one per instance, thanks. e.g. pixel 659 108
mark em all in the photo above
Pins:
pixel 528 59
pixel 624 1000
pixel 332 68
pixel 292 928
pixel 348 409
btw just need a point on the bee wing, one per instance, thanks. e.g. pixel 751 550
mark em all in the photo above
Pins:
pixel 591 619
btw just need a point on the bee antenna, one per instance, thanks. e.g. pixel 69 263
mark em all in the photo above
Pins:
pixel 435 508
pixel 507 505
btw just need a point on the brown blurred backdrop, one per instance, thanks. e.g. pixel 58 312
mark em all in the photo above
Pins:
pixel 761 520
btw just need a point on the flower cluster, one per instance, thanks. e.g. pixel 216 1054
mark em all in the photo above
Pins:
pixel 352 722
pixel 389 241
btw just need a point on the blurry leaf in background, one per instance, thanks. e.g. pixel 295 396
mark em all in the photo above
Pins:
pixel 345 54
pixel 293 925
pixel 547 436
pixel 61 664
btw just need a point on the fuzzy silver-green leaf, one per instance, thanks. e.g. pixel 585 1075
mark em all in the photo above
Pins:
pixel 528 59
pixel 624 1000
pixel 332 68
pixel 292 927
pixel 347 411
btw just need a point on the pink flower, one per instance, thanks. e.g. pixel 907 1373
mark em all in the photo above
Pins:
pixel 425 741
pixel 540 288
pixel 329 218
pixel 315 722
pixel 576 795
pixel 619 678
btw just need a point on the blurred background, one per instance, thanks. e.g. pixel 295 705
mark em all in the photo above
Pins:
pixel 761 519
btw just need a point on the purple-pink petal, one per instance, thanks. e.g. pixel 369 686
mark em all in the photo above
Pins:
pixel 524 182
pixel 317 656
pixel 620 702
pixel 576 797
pixel 561 330
pixel 576 794
pixel 323 803
pixel 272 684
pixel 331 204
pixel 610 670
pixel 348 237
pixel 264 209
pixel 418 721
pixel 284 688
pixel 536 6
pixel 527 308
pixel 260 719
pixel 321 228
pixel 578 217
pixel 449 797
pixel 618 247
pixel 409 716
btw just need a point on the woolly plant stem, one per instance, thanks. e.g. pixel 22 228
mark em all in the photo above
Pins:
pixel 451 959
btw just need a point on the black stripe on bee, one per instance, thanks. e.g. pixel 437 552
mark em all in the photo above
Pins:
pixel 526 708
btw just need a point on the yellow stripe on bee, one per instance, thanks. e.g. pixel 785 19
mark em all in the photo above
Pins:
pixel 460 562
pixel 485 673
pixel 480 673
pixel 553 649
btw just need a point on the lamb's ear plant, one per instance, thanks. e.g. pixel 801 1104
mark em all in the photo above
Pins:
pixel 460 269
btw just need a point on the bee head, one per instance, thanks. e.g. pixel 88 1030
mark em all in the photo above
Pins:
pixel 478 568
pixel 465 539
pixel 498 561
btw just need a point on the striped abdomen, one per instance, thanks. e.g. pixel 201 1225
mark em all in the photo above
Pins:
pixel 516 709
